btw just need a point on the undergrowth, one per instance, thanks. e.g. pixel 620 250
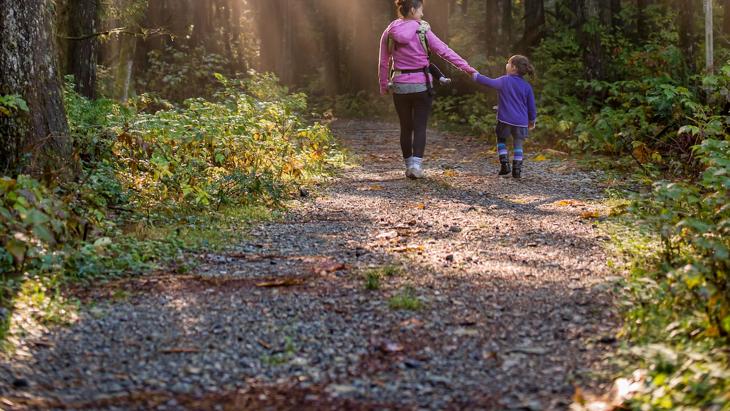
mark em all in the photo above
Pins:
pixel 157 180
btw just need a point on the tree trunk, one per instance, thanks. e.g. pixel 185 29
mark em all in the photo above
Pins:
pixel 506 26
pixel 687 31
pixel 534 24
pixel 275 36
pixel 202 28
pixel 588 12
pixel 492 25
pixel 125 68
pixel 616 22
pixel 642 30
pixel 464 7
pixel 36 141
pixel 328 20
pixel 726 18
pixel 81 56
pixel 437 14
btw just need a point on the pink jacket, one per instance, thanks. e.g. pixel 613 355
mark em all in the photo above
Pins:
pixel 408 53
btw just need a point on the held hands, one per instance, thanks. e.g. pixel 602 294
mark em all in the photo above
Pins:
pixel 532 125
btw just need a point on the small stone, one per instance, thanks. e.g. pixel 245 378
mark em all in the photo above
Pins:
pixel 450 257
pixel 20 383
pixel 411 363
pixel 455 229
pixel 303 192
pixel 341 389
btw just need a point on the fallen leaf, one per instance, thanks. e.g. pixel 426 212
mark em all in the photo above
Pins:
pixel 450 173
pixel 328 266
pixel 408 249
pixel 567 203
pixel 589 214
pixel 284 282
pixel 539 157
pixel 421 206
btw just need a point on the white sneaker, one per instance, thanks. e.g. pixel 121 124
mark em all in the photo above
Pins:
pixel 417 173
pixel 409 172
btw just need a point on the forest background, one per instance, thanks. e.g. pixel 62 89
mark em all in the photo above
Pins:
pixel 135 131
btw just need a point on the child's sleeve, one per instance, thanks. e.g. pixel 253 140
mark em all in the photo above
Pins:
pixel 531 107
pixel 384 63
pixel 495 83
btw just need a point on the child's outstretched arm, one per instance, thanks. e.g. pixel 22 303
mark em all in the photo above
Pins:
pixel 495 83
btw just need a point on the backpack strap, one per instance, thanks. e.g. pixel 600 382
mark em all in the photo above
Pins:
pixel 423 29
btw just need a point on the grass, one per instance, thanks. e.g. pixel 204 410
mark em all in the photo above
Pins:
pixel 405 300
pixel 373 276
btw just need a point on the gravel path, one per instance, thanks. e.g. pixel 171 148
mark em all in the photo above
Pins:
pixel 505 281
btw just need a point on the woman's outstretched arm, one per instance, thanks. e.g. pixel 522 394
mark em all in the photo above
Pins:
pixel 443 50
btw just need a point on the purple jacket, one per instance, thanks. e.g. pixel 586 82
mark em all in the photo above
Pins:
pixel 408 53
pixel 516 99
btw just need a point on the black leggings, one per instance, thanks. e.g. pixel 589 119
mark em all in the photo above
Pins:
pixel 413 111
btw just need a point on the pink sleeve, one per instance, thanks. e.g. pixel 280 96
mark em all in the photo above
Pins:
pixel 384 64
pixel 440 48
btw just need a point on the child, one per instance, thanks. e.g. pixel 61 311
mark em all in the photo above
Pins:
pixel 516 112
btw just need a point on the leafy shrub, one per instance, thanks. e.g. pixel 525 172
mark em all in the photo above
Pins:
pixel 693 223
pixel 172 71
pixel 34 226
pixel 239 149
pixel 679 311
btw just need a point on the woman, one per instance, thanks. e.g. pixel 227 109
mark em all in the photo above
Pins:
pixel 403 50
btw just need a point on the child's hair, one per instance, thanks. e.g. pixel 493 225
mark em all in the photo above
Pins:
pixel 405 6
pixel 522 64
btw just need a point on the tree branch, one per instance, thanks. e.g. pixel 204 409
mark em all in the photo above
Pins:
pixel 145 33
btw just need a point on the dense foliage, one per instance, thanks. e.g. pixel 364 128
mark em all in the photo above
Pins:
pixel 153 167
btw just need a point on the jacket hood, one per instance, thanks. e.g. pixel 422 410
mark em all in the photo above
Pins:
pixel 403 31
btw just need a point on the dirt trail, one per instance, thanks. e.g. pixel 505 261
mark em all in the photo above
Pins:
pixel 507 279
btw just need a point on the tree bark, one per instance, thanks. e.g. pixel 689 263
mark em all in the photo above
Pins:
pixel 642 30
pixel 328 20
pixel 616 22
pixel 492 25
pixel 83 19
pixel 588 13
pixel 687 31
pixel 726 18
pixel 506 26
pixel 38 141
pixel 534 24
pixel 437 14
